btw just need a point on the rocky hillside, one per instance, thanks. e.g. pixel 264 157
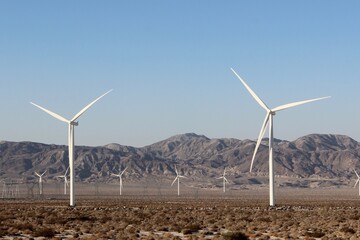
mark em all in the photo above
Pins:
pixel 197 157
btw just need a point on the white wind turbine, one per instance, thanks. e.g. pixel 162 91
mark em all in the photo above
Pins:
pixel 72 123
pixel 269 121
pixel 178 176
pixel 40 181
pixel 66 182
pixel 120 178
pixel 224 179
pixel 357 181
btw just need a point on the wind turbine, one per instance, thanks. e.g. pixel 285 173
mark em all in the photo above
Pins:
pixel 269 121
pixel 224 179
pixel 120 178
pixel 72 123
pixel 66 182
pixel 178 176
pixel 357 181
pixel 40 181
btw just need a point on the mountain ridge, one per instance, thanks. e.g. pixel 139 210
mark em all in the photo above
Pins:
pixel 197 156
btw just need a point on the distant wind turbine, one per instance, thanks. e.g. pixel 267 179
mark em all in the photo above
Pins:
pixel 224 179
pixel 269 121
pixel 40 181
pixel 72 123
pixel 357 181
pixel 120 178
pixel 178 176
pixel 66 182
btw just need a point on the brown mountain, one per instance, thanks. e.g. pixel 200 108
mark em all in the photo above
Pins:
pixel 198 157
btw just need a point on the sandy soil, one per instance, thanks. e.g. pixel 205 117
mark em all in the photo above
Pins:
pixel 197 214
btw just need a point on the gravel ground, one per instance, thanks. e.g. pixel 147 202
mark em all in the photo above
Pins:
pixel 299 214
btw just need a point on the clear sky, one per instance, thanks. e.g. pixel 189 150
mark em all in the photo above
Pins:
pixel 169 65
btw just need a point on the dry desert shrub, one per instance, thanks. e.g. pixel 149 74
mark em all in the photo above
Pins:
pixel 44 232
pixel 355 216
pixel 260 237
pixel 120 226
pixel 316 233
pixel 246 218
pixel 56 220
pixel 191 229
pixel 264 219
pixel 3 232
pixel 347 230
pixel 85 229
pixel 89 237
pixel 105 219
pixel 174 227
pixel 121 236
pixel 23 226
pixel 234 236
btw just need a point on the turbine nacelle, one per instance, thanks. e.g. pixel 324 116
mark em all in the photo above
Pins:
pixel 74 123
pixel 40 175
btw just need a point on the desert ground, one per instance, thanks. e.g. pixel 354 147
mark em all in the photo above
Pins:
pixel 153 212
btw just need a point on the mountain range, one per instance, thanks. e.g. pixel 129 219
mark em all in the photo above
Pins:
pixel 315 156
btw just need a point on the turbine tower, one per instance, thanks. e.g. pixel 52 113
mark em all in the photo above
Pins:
pixel 71 123
pixel 178 176
pixel 66 182
pixel 40 181
pixel 357 181
pixel 270 113
pixel 224 180
pixel 120 178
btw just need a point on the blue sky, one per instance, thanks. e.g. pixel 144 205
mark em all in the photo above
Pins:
pixel 169 65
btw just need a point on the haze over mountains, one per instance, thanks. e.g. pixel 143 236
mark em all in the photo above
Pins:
pixel 313 156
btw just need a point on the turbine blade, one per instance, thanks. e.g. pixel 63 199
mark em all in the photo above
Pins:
pixel 37 174
pixel 174 180
pixel 261 135
pixel 123 171
pixel 356 173
pixel 177 173
pixel 226 180
pixel 43 173
pixel 357 181
pixel 294 104
pixel 55 115
pixel 220 178
pixel 262 104
pixel 66 171
pixel 88 106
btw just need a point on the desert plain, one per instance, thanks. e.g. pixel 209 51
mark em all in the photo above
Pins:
pixel 158 213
